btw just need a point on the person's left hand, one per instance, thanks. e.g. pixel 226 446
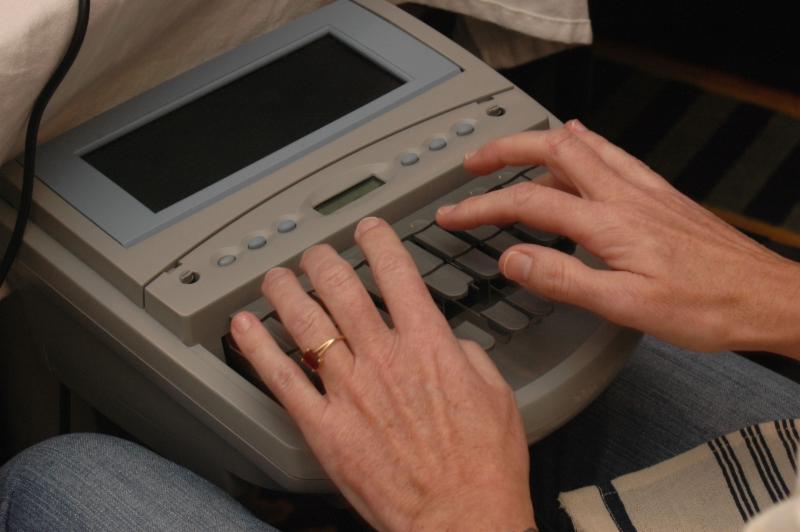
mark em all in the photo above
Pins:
pixel 417 428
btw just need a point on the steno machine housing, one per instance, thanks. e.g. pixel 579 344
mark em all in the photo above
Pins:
pixel 154 223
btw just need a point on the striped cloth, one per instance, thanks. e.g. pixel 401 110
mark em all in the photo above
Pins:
pixel 722 152
pixel 741 480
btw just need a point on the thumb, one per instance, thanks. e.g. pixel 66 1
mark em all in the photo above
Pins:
pixel 561 277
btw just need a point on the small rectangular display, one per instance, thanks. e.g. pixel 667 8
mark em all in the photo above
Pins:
pixel 331 205
pixel 208 139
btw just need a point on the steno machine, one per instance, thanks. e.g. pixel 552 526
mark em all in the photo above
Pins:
pixel 155 222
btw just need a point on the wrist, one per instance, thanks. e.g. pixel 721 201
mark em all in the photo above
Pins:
pixel 771 321
pixel 481 509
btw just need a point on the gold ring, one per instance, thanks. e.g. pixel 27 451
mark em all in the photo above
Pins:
pixel 313 357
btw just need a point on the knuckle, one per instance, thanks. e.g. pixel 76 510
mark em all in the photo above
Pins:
pixel 304 320
pixel 558 141
pixel 388 265
pixel 521 195
pixel 334 273
pixel 281 380
pixel 552 277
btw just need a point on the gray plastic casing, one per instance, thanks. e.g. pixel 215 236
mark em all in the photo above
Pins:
pixel 124 218
pixel 121 329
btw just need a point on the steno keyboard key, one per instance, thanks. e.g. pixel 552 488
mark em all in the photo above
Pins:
pixel 535 236
pixel 479 264
pixel 504 240
pixel 482 233
pixel 530 303
pixel 469 331
pixel 449 283
pixel 425 261
pixel 505 318
pixel 441 242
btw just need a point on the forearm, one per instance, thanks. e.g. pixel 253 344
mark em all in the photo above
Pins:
pixel 774 323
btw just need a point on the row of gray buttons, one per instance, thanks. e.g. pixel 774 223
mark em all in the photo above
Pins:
pixel 287 225
pixel 257 242
pixel 462 129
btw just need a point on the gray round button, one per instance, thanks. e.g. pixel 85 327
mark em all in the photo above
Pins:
pixel 437 144
pixel 226 260
pixel 407 159
pixel 464 128
pixel 284 226
pixel 257 242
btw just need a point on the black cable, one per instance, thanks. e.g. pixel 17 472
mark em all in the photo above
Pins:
pixel 32 134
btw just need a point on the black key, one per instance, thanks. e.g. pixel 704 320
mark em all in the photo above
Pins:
pixel 426 262
pixel 469 331
pixel 505 318
pixel 449 282
pixel 483 232
pixel 419 224
pixel 502 242
pixel 441 242
pixel 535 236
pixel 365 274
pixel 530 303
pixel 280 334
pixel 479 264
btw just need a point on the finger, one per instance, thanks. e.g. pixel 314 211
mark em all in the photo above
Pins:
pixel 538 206
pixel 482 363
pixel 408 300
pixel 618 159
pixel 565 155
pixel 279 372
pixel 562 277
pixel 345 297
pixel 308 323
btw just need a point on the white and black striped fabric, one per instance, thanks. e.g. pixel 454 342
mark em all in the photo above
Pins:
pixel 729 483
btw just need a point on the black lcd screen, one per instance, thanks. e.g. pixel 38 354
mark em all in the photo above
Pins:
pixel 237 124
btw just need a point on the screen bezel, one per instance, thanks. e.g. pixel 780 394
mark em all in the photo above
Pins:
pixel 128 221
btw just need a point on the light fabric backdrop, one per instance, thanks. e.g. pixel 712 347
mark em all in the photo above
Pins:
pixel 133 45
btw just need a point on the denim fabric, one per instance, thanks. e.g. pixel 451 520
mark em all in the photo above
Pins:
pixel 96 482
pixel 664 402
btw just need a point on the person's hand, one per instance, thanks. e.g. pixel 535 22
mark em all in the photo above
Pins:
pixel 417 428
pixel 677 271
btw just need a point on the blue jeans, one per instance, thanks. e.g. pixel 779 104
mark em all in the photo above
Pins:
pixel 97 482
pixel 664 402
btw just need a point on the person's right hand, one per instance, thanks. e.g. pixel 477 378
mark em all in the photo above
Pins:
pixel 677 271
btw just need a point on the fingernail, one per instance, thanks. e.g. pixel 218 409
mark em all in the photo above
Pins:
pixel 242 322
pixel 576 125
pixel 469 154
pixel 366 224
pixel 274 273
pixel 517 266
pixel 444 209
